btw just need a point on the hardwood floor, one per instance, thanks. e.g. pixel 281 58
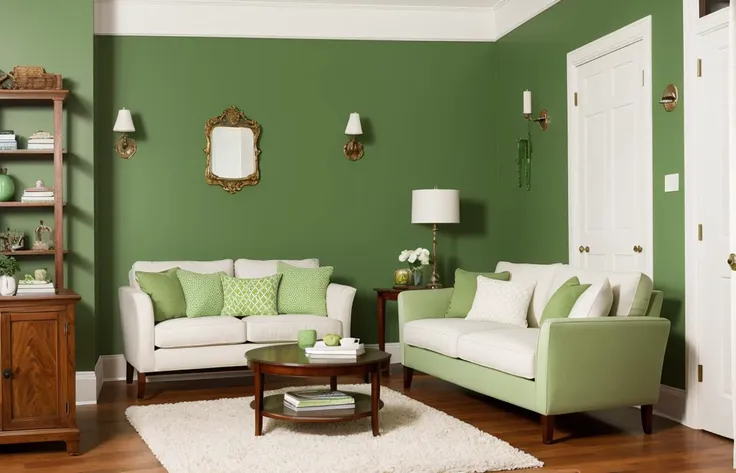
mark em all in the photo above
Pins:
pixel 608 441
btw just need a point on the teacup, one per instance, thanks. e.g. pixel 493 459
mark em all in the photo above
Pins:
pixel 349 341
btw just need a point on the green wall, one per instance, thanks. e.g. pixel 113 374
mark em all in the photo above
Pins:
pixel 426 116
pixel 535 223
pixel 58 36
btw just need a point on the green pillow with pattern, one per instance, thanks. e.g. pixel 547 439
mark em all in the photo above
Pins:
pixel 203 292
pixel 256 296
pixel 303 290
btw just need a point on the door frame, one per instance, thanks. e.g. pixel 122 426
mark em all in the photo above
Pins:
pixel 694 27
pixel 639 31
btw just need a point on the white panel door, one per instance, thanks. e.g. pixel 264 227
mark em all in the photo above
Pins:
pixel 610 172
pixel 712 209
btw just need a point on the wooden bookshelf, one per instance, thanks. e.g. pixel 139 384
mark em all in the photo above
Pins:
pixel 40 153
pixel 31 252
pixel 55 95
pixel 29 204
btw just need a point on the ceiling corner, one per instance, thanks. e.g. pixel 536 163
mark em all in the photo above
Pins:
pixel 510 14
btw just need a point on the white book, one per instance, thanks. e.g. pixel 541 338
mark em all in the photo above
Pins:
pixel 40 146
pixel 37 194
pixel 41 140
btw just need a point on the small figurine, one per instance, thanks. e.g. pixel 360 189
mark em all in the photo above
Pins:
pixel 40 275
pixel 43 237
pixel 12 240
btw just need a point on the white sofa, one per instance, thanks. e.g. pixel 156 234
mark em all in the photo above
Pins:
pixel 217 341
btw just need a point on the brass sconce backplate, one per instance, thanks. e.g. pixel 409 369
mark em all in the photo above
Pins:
pixel 353 149
pixel 125 147
pixel 544 120
pixel 670 97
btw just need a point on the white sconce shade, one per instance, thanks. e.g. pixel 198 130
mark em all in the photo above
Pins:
pixel 527 102
pixel 354 127
pixel 435 206
pixel 124 123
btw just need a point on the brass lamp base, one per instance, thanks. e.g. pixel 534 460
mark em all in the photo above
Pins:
pixel 125 147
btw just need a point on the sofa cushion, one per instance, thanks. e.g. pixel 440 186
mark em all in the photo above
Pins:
pixel 256 296
pixel 165 292
pixel 543 275
pixel 253 268
pixel 303 290
pixel 561 303
pixel 512 351
pixel 631 289
pixel 441 335
pixel 284 328
pixel 199 331
pixel 596 301
pixel 466 284
pixel 203 292
pixel 504 302
pixel 203 267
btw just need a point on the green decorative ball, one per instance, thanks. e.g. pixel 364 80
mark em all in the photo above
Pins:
pixel 7 188
pixel 332 339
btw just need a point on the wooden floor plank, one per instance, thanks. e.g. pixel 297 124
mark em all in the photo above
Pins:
pixel 605 442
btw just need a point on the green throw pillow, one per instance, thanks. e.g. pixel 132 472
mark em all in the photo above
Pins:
pixel 203 292
pixel 303 290
pixel 563 300
pixel 466 283
pixel 166 294
pixel 250 296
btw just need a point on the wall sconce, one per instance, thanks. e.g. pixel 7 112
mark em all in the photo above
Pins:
pixel 670 97
pixel 354 148
pixel 124 147
pixel 543 119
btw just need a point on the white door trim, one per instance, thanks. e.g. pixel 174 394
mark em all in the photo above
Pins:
pixel 639 31
pixel 693 28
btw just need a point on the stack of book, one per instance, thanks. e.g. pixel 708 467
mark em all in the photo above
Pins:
pixel 34 288
pixel 324 353
pixel 318 400
pixel 7 140
pixel 38 194
pixel 41 140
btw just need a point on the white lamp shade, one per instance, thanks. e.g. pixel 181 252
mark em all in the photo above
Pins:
pixel 435 206
pixel 354 127
pixel 124 123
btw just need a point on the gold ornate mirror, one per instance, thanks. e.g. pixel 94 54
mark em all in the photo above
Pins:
pixel 232 150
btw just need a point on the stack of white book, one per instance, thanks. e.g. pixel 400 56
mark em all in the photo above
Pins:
pixel 322 352
pixel 41 140
pixel 34 288
pixel 8 141
pixel 38 194
pixel 318 400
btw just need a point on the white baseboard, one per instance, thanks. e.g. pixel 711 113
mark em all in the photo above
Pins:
pixel 671 403
pixel 86 388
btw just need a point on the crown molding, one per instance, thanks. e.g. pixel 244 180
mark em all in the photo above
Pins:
pixel 295 19
pixel 510 14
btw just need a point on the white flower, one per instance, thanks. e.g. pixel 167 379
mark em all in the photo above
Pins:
pixel 424 259
pixel 412 257
pixel 404 256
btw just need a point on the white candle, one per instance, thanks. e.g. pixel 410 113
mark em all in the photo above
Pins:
pixel 527 102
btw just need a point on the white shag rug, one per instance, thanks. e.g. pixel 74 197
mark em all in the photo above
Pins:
pixel 217 437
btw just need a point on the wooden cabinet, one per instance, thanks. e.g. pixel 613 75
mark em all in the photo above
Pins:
pixel 37 369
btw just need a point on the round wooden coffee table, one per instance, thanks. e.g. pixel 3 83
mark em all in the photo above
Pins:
pixel 290 360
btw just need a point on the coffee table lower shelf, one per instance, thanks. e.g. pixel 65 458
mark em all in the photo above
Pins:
pixel 273 406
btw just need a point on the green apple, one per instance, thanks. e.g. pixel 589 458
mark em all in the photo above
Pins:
pixel 332 339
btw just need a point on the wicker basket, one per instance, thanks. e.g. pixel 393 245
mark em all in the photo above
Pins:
pixel 35 78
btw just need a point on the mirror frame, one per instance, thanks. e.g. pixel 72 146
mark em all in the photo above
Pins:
pixel 232 117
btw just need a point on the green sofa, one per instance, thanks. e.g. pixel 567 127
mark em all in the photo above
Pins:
pixel 564 366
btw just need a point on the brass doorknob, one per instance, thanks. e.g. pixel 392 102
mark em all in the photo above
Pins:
pixel 732 261
pixel 587 249
pixel 638 249
pixel 581 249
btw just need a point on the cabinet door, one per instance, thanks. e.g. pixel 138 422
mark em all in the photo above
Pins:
pixel 33 369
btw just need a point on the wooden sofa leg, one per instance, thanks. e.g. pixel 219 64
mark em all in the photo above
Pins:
pixel 141 385
pixel 408 375
pixel 128 373
pixel 646 418
pixel 548 429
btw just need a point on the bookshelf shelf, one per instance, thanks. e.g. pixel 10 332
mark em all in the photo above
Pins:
pixel 33 94
pixel 28 204
pixel 39 153
pixel 31 252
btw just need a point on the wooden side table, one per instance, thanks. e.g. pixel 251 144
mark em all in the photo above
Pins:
pixel 383 295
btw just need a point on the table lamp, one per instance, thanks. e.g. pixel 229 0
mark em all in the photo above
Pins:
pixel 435 206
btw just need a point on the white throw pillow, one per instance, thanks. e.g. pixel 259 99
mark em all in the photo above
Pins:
pixel 504 302
pixel 596 301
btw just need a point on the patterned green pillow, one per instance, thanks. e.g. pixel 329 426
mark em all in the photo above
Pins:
pixel 303 290
pixel 203 292
pixel 250 296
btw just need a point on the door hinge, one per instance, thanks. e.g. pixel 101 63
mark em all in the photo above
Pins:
pixel 700 373
pixel 700 68
pixel 700 232
pixel 575 98
pixel 67 407
pixel 642 77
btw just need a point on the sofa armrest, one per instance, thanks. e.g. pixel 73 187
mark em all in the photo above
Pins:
pixel 136 318
pixel 429 304
pixel 655 304
pixel 599 363
pixel 340 305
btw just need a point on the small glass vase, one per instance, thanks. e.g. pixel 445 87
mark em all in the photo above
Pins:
pixel 416 275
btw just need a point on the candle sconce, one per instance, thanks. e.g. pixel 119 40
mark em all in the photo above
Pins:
pixel 544 118
pixel 524 145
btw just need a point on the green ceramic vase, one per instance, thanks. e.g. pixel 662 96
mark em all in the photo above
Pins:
pixel 7 187
pixel 306 338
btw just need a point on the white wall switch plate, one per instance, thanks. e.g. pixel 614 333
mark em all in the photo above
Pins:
pixel 671 182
